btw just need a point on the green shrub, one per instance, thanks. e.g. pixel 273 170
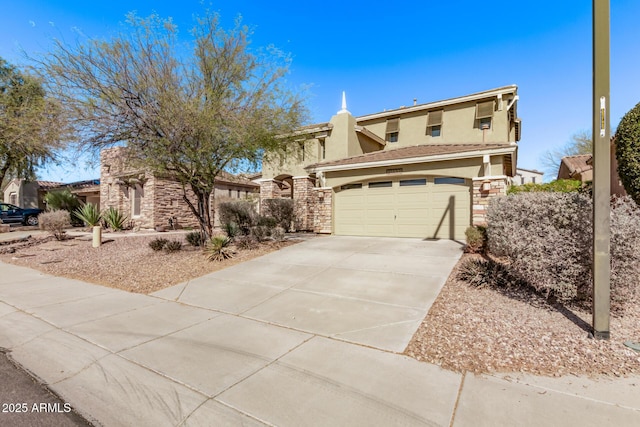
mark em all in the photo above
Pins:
pixel 242 213
pixel 476 239
pixel 158 244
pixel 277 234
pixel 245 242
pixel 282 210
pixel 217 249
pixel 172 246
pixel 61 200
pixel 267 221
pixel 628 152
pixel 194 238
pixel 55 223
pixel 558 186
pixel 486 272
pixel 547 240
pixel 260 233
pixel 114 218
pixel 88 214
pixel 231 229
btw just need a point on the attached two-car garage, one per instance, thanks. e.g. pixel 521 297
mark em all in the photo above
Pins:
pixel 423 206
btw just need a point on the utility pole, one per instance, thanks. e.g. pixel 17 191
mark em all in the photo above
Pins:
pixel 601 171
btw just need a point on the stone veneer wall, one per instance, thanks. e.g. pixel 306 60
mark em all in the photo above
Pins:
pixel 269 189
pixel 481 197
pixel 114 194
pixel 169 203
pixel 322 212
pixel 303 202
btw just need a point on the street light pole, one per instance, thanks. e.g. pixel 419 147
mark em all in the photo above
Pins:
pixel 601 171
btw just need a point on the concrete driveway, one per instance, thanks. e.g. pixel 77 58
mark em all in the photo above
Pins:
pixel 365 290
pixel 300 337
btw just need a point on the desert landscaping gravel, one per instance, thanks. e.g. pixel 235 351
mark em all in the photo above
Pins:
pixel 487 330
pixel 126 263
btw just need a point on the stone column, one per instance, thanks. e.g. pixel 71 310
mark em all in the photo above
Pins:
pixel 269 189
pixel 323 210
pixel 484 189
pixel 303 202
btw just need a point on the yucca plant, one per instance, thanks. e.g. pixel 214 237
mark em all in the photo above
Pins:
pixel 89 214
pixel 216 248
pixel 114 218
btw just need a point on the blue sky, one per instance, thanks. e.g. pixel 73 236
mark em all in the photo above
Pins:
pixel 384 56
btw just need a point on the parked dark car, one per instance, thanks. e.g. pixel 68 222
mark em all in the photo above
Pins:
pixel 13 214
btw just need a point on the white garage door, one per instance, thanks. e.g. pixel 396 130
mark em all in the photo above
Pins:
pixel 428 207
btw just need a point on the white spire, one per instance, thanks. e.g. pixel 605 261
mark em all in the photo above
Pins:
pixel 344 104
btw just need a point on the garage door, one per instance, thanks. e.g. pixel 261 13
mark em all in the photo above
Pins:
pixel 429 207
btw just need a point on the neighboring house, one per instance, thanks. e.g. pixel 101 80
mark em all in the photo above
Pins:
pixel 30 194
pixel 580 168
pixel 425 171
pixel 526 176
pixel 151 201
pixel 576 167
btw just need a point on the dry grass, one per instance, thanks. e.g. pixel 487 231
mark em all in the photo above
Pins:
pixel 126 263
pixel 487 330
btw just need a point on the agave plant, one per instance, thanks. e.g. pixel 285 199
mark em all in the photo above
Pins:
pixel 216 248
pixel 114 218
pixel 89 214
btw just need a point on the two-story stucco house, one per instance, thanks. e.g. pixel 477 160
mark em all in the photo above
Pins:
pixel 424 171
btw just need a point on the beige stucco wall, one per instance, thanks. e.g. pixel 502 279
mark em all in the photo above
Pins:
pixel 12 187
pixel 459 126
pixel 292 162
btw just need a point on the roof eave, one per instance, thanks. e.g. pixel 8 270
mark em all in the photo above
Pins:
pixel 412 160
pixel 473 97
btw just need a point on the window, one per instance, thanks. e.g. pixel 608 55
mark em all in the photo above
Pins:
pixel 448 180
pixel 533 179
pixel 229 192
pixel 393 130
pixel 136 201
pixel 434 123
pixel 302 150
pixel 323 149
pixel 485 123
pixel 350 186
pixel 484 114
pixel 13 198
pixel 238 194
pixel 380 184
pixel 411 182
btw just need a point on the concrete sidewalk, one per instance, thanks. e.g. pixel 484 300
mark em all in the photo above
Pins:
pixel 308 335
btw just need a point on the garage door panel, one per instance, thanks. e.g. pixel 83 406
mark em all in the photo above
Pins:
pixel 425 211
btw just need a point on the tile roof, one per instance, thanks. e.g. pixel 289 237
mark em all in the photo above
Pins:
pixel 48 184
pixel 410 152
pixel 235 179
pixel 577 164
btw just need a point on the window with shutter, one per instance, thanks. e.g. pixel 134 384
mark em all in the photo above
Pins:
pixel 484 109
pixel 434 118
pixel 393 129
pixel 434 123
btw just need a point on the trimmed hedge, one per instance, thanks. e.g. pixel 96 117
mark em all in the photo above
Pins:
pixel 547 241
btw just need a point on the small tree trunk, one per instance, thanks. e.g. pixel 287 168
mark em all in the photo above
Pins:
pixel 201 212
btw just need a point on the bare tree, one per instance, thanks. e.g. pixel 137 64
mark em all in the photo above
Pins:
pixel 579 143
pixel 31 124
pixel 184 110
